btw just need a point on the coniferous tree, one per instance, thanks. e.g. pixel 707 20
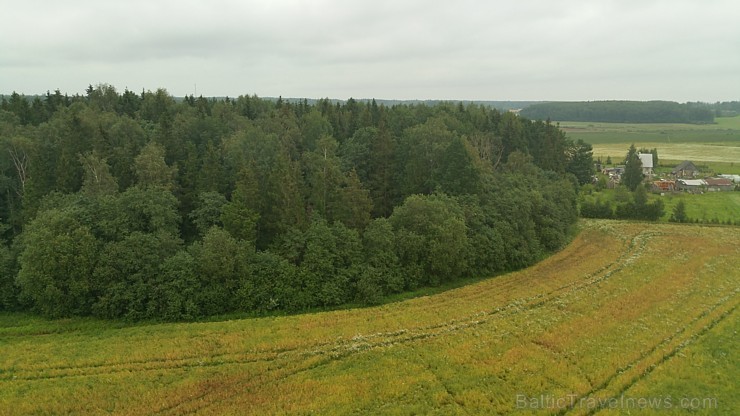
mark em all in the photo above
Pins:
pixel 459 172
pixel 632 176
pixel 282 207
pixel 679 213
pixel 353 203
pixel 207 212
pixel 72 133
pixel 18 104
pixel 240 215
pixel 211 175
pixel 580 161
pixel 8 287
pixel 381 173
pixel 355 152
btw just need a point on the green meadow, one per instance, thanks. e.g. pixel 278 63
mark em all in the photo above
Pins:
pixel 710 207
pixel 706 168
pixel 628 317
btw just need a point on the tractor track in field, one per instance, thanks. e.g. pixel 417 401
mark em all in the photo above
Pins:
pixel 286 362
pixel 626 376
pixel 340 347
pixel 231 376
pixel 333 349
pixel 360 343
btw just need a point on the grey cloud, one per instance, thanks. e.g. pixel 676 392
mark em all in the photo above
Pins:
pixel 468 49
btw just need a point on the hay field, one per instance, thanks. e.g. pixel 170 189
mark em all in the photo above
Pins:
pixel 718 142
pixel 628 310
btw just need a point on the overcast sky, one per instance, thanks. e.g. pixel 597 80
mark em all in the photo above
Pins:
pixel 681 50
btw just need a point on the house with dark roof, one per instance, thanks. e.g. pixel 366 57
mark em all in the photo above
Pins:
pixel 685 169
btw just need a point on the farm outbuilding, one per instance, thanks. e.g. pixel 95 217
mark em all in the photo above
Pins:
pixel 719 184
pixel 664 186
pixel 618 171
pixel 691 185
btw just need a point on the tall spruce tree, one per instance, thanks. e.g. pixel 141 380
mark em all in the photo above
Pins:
pixel 580 161
pixel 632 170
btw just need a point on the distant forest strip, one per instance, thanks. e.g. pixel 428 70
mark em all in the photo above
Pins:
pixel 629 111
pixel 140 206
pixel 35 101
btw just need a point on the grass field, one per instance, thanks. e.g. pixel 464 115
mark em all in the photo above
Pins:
pixel 705 167
pixel 707 207
pixel 696 152
pixel 726 129
pixel 718 142
pixel 722 206
pixel 627 312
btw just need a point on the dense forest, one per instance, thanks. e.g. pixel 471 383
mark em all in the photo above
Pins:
pixel 624 112
pixel 142 206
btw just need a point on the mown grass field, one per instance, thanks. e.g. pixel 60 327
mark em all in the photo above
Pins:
pixel 697 152
pixel 628 311
pixel 718 142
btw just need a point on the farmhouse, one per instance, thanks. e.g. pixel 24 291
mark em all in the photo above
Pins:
pixel 647 163
pixel 691 185
pixel 719 184
pixel 685 169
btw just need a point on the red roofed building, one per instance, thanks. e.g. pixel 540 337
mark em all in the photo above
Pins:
pixel 664 186
pixel 719 184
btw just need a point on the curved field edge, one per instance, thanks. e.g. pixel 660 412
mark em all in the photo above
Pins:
pixel 622 302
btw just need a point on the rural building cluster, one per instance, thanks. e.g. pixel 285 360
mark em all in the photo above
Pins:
pixel 685 177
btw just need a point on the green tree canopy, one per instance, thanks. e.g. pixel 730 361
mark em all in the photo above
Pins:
pixel 151 169
pixel 431 232
pixel 97 179
pixel 57 261
pixel 146 206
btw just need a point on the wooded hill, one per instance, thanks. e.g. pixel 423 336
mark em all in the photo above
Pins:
pixel 622 112
pixel 137 206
